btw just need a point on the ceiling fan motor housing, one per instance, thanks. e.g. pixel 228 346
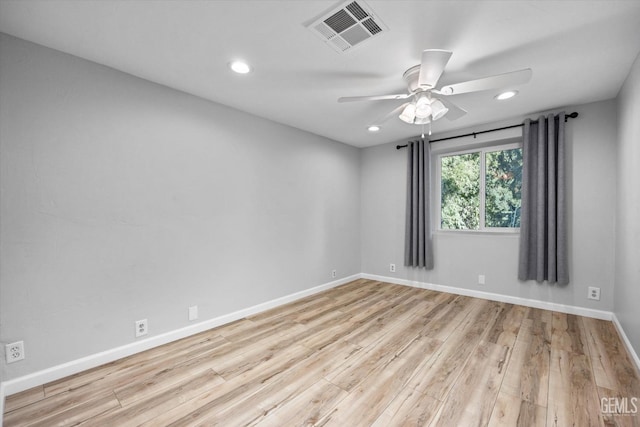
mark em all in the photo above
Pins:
pixel 411 78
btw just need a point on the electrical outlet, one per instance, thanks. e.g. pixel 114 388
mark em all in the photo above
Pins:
pixel 594 293
pixel 193 312
pixel 14 351
pixel 392 268
pixel 481 280
pixel 333 273
pixel 141 328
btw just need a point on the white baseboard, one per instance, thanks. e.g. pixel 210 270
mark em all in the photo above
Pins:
pixel 626 342
pixel 562 308
pixel 60 371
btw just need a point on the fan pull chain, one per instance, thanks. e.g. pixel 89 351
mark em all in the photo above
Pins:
pixel 423 130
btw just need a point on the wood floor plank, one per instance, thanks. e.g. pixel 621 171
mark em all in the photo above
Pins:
pixel 359 303
pixel 409 408
pixel 276 391
pixel 121 372
pixel 355 370
pixel 239 356
pixel 472 398
pixel 24 398
pixel 235 326
pixel 346 300
pixel 155 411
pixel 251 330
pixel 357 287
pixel 398 314
pixel 527 374
pixel 283 391
pixel 304 410
pixel 247 385
pixel 452 316
pixel 154 384
pixel 87 410
pixel 147 409
pixel 537 323
pixel 612 365
pixel 230 365
pixel 567 333
pixel 229 392
pixel 328 310
pixel 511 411
pixel 361 320
pixel 361 354
pixel 309 303
pixel 65 408
pixel 573 400
pixel 506 327
pixel 436 375
pixel 368 401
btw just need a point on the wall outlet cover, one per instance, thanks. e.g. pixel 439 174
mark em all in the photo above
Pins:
pixel 14 351
pixel 142 328
pixel 193 312
pixel 594 293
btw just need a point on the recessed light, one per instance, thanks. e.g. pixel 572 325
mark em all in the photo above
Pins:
pixel 240 67
pixel 506 95
pixel 373 128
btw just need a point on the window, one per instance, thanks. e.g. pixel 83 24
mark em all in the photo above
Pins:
pixel 481 189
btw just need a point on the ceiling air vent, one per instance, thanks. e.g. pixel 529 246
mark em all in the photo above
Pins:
pixel 347 26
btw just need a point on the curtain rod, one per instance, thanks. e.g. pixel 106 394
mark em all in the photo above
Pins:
pixel 566 118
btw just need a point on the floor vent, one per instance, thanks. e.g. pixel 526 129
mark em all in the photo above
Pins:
pixel 347 26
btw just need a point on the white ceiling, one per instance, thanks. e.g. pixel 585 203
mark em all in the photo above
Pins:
pixel 580 51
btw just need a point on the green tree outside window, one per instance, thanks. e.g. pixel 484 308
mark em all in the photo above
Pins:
pixel 461 189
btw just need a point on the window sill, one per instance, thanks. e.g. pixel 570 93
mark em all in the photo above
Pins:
pixel 495 232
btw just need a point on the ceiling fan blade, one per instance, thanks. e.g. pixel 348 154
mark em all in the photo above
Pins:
pixel 432 65
pixel 494 82
pixel 454 112
pixel 394 113
pixel 373 98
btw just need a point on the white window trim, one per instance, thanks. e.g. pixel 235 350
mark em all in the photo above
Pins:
pixel 482 148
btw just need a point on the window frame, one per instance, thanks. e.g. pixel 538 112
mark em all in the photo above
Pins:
pixel 483 149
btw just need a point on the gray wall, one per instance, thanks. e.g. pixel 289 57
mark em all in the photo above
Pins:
pixel 123 200
pixel 460 257
pixel 627 278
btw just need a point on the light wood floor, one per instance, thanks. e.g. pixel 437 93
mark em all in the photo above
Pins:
pixel 363 354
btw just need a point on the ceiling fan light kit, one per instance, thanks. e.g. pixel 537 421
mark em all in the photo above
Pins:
pixel 438 110
pixel 422 81
pixel 408 115
pixel 422 121
pixel 423 108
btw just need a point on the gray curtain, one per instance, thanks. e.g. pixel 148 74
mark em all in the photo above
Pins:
pixel 543 225
pixel 418 248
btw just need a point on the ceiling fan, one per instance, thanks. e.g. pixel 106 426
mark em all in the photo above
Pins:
pixel 428 103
